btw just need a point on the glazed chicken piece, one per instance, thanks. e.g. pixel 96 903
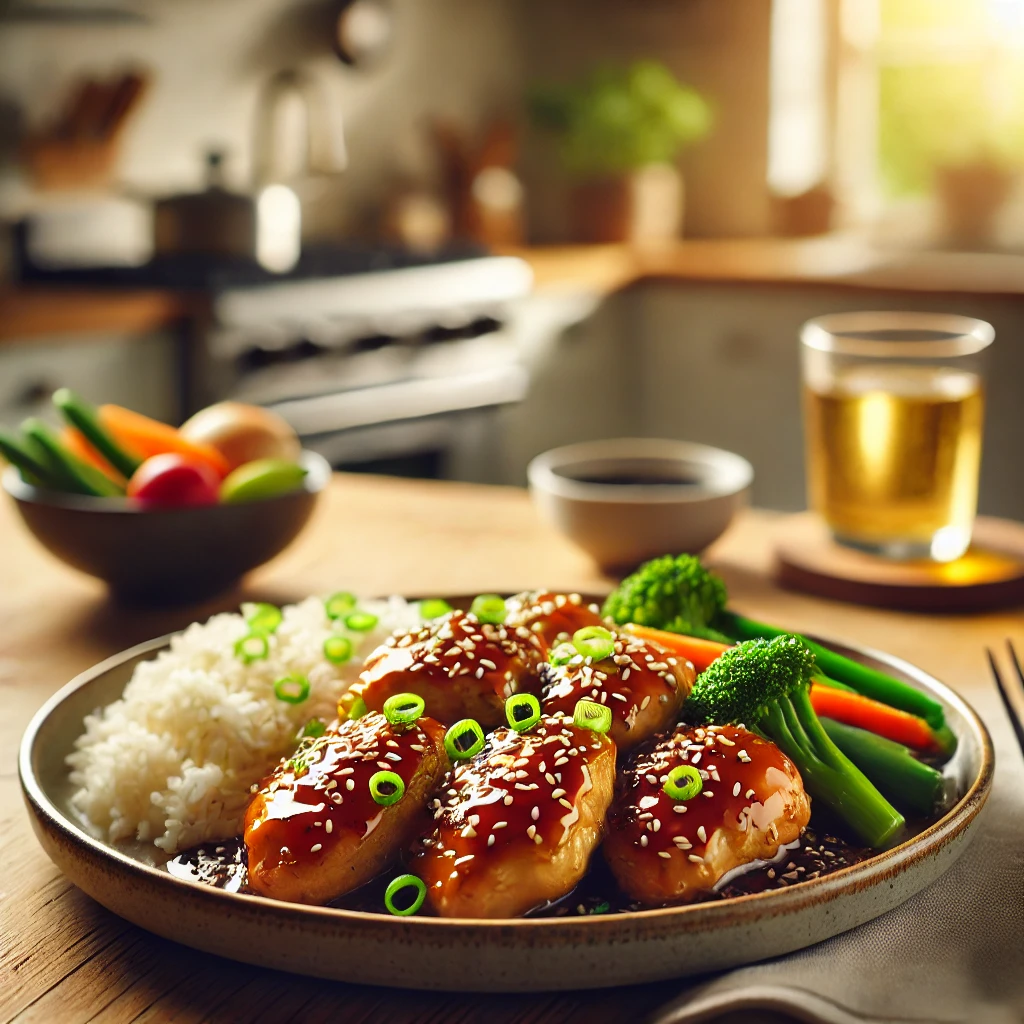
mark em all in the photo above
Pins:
pixel 552 617
pixel 462 668
pixel 314 830
pixel 517 823
pixel 642 683
pixel 664 850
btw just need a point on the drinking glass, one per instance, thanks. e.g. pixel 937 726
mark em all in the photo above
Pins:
pixel 893 411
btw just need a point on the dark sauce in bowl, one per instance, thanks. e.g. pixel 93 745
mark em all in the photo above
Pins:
pixel 625 479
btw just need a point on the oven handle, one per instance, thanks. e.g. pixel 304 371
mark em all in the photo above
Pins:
pixel 406 400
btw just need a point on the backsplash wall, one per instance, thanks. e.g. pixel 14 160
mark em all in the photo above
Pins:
pixel 463 60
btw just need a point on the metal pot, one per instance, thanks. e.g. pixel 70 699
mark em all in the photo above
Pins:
pixel 213 222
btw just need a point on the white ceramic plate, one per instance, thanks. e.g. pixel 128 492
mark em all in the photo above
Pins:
pixel 516 955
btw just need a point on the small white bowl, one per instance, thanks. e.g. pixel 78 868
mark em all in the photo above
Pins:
pixel 629 499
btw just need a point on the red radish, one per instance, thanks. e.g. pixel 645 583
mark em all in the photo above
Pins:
pixel 171 480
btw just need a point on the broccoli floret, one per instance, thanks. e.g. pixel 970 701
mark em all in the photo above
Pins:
pixel 765 685
pixel 675 593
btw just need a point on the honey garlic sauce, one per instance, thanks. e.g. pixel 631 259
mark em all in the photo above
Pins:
pixel 516 824
pixel 552 617
pixel 317 806
pixel 643 684
pixel 461 667
pixel 752 802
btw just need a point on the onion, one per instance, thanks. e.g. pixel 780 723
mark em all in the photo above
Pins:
pixel 243 433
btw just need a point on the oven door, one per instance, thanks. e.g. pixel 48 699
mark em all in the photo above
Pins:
pixel 444 428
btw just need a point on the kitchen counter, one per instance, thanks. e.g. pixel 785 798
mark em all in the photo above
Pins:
pixel 39 311
pixel 833 260
pixel 63 957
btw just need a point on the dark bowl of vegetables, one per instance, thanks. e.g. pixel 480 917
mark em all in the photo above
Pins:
pixel 163 515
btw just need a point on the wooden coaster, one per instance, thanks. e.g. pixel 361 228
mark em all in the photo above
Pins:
pixel 990 575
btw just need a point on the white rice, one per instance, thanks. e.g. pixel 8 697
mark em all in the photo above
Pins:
pixel 173 760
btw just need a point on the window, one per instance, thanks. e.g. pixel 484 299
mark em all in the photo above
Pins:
pixel 921 96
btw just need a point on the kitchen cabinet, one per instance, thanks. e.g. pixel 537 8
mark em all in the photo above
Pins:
pixel 578 353
pixel 720 364
pixel 139 371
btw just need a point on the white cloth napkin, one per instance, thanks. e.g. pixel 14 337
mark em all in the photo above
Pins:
pixel 954 952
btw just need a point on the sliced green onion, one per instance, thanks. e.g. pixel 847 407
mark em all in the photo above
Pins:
pixel 434 608
pixel 338 649
pixel 358 709
pixel 464 739
pixel 361 622
pixel 602 908
pixel 403 708
pixel 340 604
pixel 293 689
pixel 405 884
pixel 386 788
pixel 684 782
pixel 262 617
pixel 313 728
pixel 252 647
pixel 594 642
pixel 522 711
pixel 562 654
pixel 489 608
pixel 593 716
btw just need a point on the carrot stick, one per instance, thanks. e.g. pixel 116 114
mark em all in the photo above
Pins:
pixel 700 652
pixel 865 713
pixel 76 443
pixel 150 437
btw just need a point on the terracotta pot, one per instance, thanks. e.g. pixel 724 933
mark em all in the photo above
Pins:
pixel 644 206
pixel 971 198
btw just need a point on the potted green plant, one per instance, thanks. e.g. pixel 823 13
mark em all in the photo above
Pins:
pixel 619 133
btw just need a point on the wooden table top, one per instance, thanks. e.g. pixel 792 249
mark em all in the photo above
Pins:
pixel 65 958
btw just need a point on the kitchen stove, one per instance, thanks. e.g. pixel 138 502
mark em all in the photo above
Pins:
pixel 381 358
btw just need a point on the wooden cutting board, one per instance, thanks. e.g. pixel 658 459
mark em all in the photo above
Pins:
pixel 989 576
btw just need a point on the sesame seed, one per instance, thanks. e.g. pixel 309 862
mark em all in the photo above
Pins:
pixel 565 803
pixel 708 793
pixel 350 784
pixel 702 834
pixel 462 860
pixel 643 840
pixel 692 857
pixel 507 801
pixel 749 794
pixel 316 848
pixel 679 808
pixel 535 814
pixel 665 854
pixel 499 824
pixel 736 789
pixel 328 826
pixel 531 831
pixel 490 839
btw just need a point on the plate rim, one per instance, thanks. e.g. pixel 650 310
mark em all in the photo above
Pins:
pixel 791 899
